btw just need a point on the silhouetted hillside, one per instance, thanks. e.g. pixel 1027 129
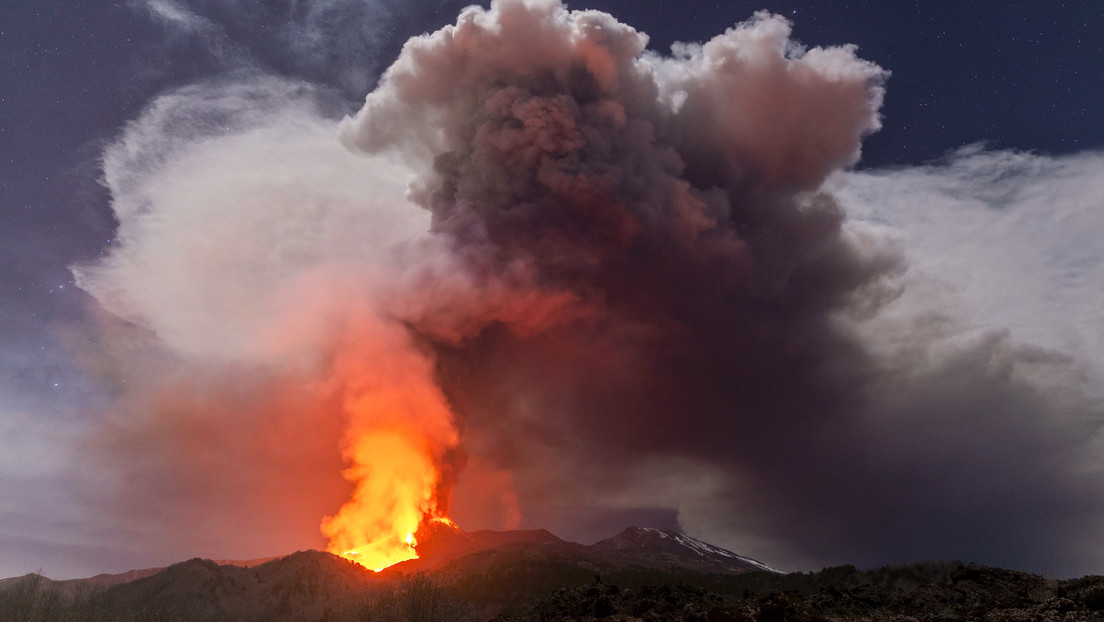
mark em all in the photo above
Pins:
pixel 637 575
pixel 505 572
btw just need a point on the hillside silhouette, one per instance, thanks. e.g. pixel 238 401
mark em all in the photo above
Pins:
pixel 531 576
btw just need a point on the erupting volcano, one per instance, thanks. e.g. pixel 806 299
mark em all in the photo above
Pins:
pixel 536 242
pixel 396 493
pixel 400 438
pixel 578 193
pixel 545 268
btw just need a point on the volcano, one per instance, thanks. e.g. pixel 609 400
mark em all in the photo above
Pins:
pixel 491 573
pixel 444 547
pixel 657 548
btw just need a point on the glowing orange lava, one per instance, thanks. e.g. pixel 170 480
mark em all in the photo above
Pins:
pixel 399 436
pixel 396 485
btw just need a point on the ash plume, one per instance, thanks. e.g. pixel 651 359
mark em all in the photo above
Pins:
pixel 611 280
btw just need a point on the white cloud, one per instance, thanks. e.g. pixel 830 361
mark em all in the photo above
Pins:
pixel 1016 240
pixel 178 15
pixel 227 195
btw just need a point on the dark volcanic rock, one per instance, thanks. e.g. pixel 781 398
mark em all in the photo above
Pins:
pixel 440 543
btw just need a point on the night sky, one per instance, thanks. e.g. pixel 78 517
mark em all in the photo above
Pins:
pixel 988 171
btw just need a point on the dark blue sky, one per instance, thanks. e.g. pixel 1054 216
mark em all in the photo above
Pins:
pixel 1021 76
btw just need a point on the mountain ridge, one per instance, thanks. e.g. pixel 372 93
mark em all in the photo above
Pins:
pixel 441 544
pixel 497 573
pixel 535 576
pixel 649 544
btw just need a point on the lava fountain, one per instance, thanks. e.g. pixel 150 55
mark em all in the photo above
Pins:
pixel 395 491
pixel 399 442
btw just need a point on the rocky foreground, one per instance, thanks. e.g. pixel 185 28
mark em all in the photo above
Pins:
pixel 638 575
pixel 927 592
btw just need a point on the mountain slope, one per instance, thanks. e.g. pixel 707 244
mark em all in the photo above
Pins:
pixel 534 576
pixel 304 585
pixel 494 572
pixel 655 548
pixel 500 572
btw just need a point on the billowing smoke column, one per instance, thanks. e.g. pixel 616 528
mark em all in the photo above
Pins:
pixel 644 259
pixel 605 280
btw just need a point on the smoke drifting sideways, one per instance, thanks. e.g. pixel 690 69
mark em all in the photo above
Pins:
pixel 606 281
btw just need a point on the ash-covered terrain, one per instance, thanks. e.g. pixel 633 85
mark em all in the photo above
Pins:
pixel 530 576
